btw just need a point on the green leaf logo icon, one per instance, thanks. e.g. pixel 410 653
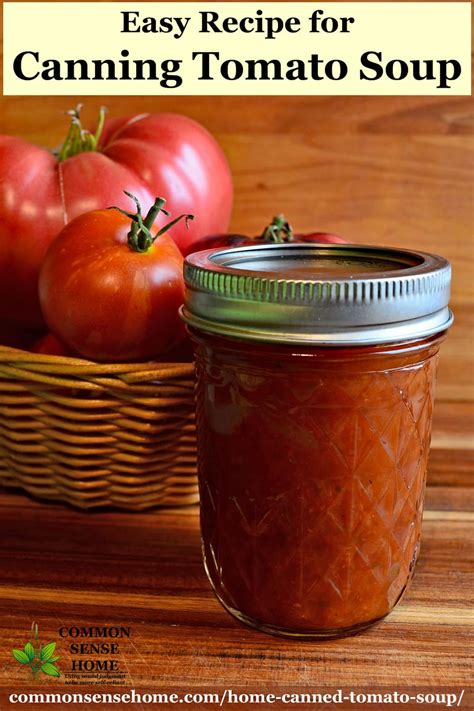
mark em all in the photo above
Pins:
pixel 36 657
pixel 47 651
pixel 50 669
pixel 20 656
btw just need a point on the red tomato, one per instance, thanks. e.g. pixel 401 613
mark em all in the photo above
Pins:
pixel 110 291
pixel 278 232
pixel 147 155
pixel 50 345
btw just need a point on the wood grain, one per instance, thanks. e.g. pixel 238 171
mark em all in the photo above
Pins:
pixel 378 170
pixel 63 567
pixel 381 115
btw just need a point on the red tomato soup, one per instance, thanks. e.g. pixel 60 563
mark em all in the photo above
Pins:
pixel 314 407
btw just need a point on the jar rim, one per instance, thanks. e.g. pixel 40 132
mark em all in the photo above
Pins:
pixel 320 294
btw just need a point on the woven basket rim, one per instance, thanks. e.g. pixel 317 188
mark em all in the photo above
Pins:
pixel 82 366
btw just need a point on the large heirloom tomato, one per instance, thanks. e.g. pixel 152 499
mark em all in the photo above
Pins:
pixel 110 290
pixel 147 155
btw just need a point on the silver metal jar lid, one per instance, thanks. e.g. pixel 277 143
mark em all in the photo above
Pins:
pixel 317 294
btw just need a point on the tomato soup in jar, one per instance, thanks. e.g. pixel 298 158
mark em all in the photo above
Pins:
pixel 315 375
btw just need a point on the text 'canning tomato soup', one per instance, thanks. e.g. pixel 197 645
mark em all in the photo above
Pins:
pixel 315 370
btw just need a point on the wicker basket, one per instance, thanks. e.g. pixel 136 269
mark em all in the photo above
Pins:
pixel 97 435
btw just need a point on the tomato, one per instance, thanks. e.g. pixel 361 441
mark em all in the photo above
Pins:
pixel 278 232
pixel 147 154
pixel 50 345
pixel 109 290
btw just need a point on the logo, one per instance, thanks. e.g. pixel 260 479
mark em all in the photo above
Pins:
pixel 38 658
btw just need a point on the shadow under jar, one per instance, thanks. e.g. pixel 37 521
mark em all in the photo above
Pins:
pixel 315 376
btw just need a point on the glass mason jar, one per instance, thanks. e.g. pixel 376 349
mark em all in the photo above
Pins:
pixel 315 375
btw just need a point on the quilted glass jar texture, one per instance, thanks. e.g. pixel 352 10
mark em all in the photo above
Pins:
pixel 312 472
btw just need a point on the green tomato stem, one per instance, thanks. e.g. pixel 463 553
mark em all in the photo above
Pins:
pixel 153 212
pixel 140 238
pixel 78 139
pixel 278 231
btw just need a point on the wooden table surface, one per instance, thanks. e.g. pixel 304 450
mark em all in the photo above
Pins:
pixel 378 170
pixel 64 568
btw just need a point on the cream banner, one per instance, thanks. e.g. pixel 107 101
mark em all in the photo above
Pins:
pixel 237 48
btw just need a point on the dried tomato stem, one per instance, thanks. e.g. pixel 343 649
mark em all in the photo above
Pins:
pixel 78 139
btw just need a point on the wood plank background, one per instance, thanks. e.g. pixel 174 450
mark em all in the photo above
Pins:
pixel 379 170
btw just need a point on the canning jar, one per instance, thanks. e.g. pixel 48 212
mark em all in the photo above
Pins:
pixel 315 375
